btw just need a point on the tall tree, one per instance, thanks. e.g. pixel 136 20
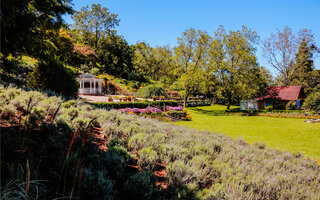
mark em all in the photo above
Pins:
pixel 304 64
pixel 95 24
pixel 115 56
pixel 234 63
pixel 24 24
pixel 287 52
pixel 191 55
pixel 153 62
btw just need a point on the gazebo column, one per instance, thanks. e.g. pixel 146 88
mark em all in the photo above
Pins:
pixel 90 86
pixel 82 83
pixel 94 85
pixel 100 87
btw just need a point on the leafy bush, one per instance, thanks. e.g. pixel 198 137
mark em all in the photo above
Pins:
pixel 152 90
pixel 51 74
pixel 291 105
pixel 136 76
pixel 141 186
pixel 312 102
pixel 269 108
pixel 14 71
pixel 109 87
pixel 148 158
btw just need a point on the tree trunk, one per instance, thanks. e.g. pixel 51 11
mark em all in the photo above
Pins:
pixel 185 101
pixel 229 100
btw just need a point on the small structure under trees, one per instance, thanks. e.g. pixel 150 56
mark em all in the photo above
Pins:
pixel 89 84
pixel 248 104
pixel 280 96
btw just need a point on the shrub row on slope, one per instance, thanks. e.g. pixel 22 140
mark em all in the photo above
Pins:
pixel 145 104
pixel 80 151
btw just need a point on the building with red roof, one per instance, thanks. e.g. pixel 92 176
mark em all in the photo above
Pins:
pixel 282 95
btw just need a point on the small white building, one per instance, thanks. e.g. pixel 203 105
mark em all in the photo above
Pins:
pixel 248 105
pixel 89 84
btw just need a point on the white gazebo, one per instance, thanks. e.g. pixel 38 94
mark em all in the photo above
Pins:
pixel 89 84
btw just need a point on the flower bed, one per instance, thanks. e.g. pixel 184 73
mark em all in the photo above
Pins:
pixel 178 108
pixel 137 111
pixel 173 113
pixel 143 104
pixel 179 114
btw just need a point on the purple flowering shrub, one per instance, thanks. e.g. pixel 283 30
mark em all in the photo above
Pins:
pixel 147 110
pixel 178 108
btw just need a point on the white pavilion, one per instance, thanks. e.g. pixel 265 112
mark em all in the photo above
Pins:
pixel 89 84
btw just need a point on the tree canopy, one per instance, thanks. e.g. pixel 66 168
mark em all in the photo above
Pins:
pixel 290 54
pixel 94 24
pixel 234 62
pixel 24 24
pixel 153 62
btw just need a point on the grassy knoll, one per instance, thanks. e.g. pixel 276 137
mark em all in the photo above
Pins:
pixel 292 135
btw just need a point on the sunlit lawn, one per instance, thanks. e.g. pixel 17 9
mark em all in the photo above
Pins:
pixel 288 134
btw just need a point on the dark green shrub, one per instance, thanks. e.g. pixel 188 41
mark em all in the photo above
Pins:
pixel 134 84
pixel 51 74
pixel 312 102
pixel 269 108
pixel 291 105
pixel 152 90
pixel 141 186
pixel 14 71
pixel 96 185
pixel 136 76
pixel 116 142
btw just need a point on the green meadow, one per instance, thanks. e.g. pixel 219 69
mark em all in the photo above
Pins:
pixel 287 134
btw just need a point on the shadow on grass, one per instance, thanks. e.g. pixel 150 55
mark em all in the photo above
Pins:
pixel 211 112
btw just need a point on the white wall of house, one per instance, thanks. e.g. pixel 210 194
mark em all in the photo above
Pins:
pixel 248 105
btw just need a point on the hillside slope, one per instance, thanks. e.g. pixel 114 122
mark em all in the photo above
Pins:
pixel 57 148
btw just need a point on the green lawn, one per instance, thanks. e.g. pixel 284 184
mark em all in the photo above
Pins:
pixel 288 134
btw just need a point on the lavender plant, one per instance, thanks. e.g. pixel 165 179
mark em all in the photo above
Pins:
pixel 200 165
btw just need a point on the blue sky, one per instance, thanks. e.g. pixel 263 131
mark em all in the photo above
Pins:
pixel 161 22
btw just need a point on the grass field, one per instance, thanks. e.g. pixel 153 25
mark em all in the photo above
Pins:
pixel 288 134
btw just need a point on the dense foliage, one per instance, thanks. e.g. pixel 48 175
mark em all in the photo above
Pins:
pixel 221 66
pixel 24 24
pixel 152 90
pixel 51 74
pixel 312 102
pixel 69 149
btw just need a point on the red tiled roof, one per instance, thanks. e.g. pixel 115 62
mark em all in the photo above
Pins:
pixel 283 93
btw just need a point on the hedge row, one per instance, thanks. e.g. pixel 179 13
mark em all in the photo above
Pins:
pixel 145 104
pixel 198 103
pixel 237 110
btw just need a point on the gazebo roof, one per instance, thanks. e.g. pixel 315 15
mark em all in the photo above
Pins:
pixel 86 75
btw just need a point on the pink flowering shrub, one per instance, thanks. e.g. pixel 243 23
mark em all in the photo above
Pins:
pixel 147 110
pixel 178 108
